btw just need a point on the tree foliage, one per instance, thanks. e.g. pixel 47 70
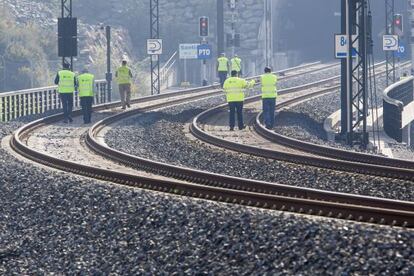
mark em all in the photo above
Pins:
pixel 23 54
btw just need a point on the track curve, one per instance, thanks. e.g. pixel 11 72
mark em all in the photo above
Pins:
pixel 220 187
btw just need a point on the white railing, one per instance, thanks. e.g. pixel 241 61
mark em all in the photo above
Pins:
pixel 168 72
pixel 40 100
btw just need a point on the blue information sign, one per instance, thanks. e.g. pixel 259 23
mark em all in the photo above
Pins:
pixel 204 51
pixel 401 53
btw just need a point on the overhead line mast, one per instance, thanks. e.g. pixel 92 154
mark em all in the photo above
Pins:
pixel 389 30
pixel 354 94
pixel 155 34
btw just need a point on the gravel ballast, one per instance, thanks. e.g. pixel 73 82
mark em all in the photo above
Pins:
pixel 55 223
pixel 305 121
pixel 161 136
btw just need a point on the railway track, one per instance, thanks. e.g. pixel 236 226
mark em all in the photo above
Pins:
pixel 320 156
pixel 359 157
pixel 214 186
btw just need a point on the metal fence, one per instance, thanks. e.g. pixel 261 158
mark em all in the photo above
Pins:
pixel 396 97
pixel 168 72
pixel 40 100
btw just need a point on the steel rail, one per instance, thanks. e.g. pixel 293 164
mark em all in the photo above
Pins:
pixel 258 187
pixel 331 152
pixel 331 162
pixel 226 189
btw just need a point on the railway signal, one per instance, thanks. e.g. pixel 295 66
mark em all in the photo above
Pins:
pixel 399 25
pixel 204 27
pixel 67 34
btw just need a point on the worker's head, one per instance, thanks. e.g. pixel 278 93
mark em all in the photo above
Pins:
pixel 234 73
pixel 268 69
pixel 404 74
pixel 222 54
pixel 66 65
pixel 85 70
pixel 235 55
pixel 124 62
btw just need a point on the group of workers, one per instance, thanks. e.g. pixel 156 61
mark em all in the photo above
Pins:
pixel 224 66
pixel 235 88
pixel 68 83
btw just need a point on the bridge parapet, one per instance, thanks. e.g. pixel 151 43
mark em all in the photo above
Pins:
pixel 398 101
pixel 21 103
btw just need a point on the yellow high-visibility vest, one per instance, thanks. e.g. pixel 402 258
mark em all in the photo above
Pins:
pixel 236 64
pixel 223 64
pixel 66 82
pixel 86 85
pixel 123 75
pixel 269 86
pixel 234 88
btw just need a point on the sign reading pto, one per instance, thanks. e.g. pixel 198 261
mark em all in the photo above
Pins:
pixel 204 51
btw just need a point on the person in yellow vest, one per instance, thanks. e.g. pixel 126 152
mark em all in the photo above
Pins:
pixel 269 95
pixel 124 78
pixel 404 76
pixel 222 68
pixel 236 65
pixel 66 82
pixel 86 85
pixel 234 88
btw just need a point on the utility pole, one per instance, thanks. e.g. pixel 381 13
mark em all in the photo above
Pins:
pixel 268 32
pixel 389 30
pixel 233 26
pixel 155 34
pixel 108 63
pixel 344 95
pixel 411 24
pixel 220 27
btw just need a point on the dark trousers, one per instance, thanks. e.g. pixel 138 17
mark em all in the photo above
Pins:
pixel 269 106
pixel 86 103
pixel 236 108
pixel 67 104
pixel 223 77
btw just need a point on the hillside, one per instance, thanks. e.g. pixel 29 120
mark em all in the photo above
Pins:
pixel 130 22
pixel 28 44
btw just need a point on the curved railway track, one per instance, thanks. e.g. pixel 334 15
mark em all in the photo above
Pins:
pixel 363 158
pixel 215 186
pixel 321 156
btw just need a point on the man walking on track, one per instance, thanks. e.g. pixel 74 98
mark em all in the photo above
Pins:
pixel 234 87
pixel 86 84
pixel 236 65
pixel 66 82
pixel 124 78
pixel 269 95
pixel 222 68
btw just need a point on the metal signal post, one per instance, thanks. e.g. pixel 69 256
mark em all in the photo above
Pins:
pixel 389 30
pixel 155 34
pixel 108 75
